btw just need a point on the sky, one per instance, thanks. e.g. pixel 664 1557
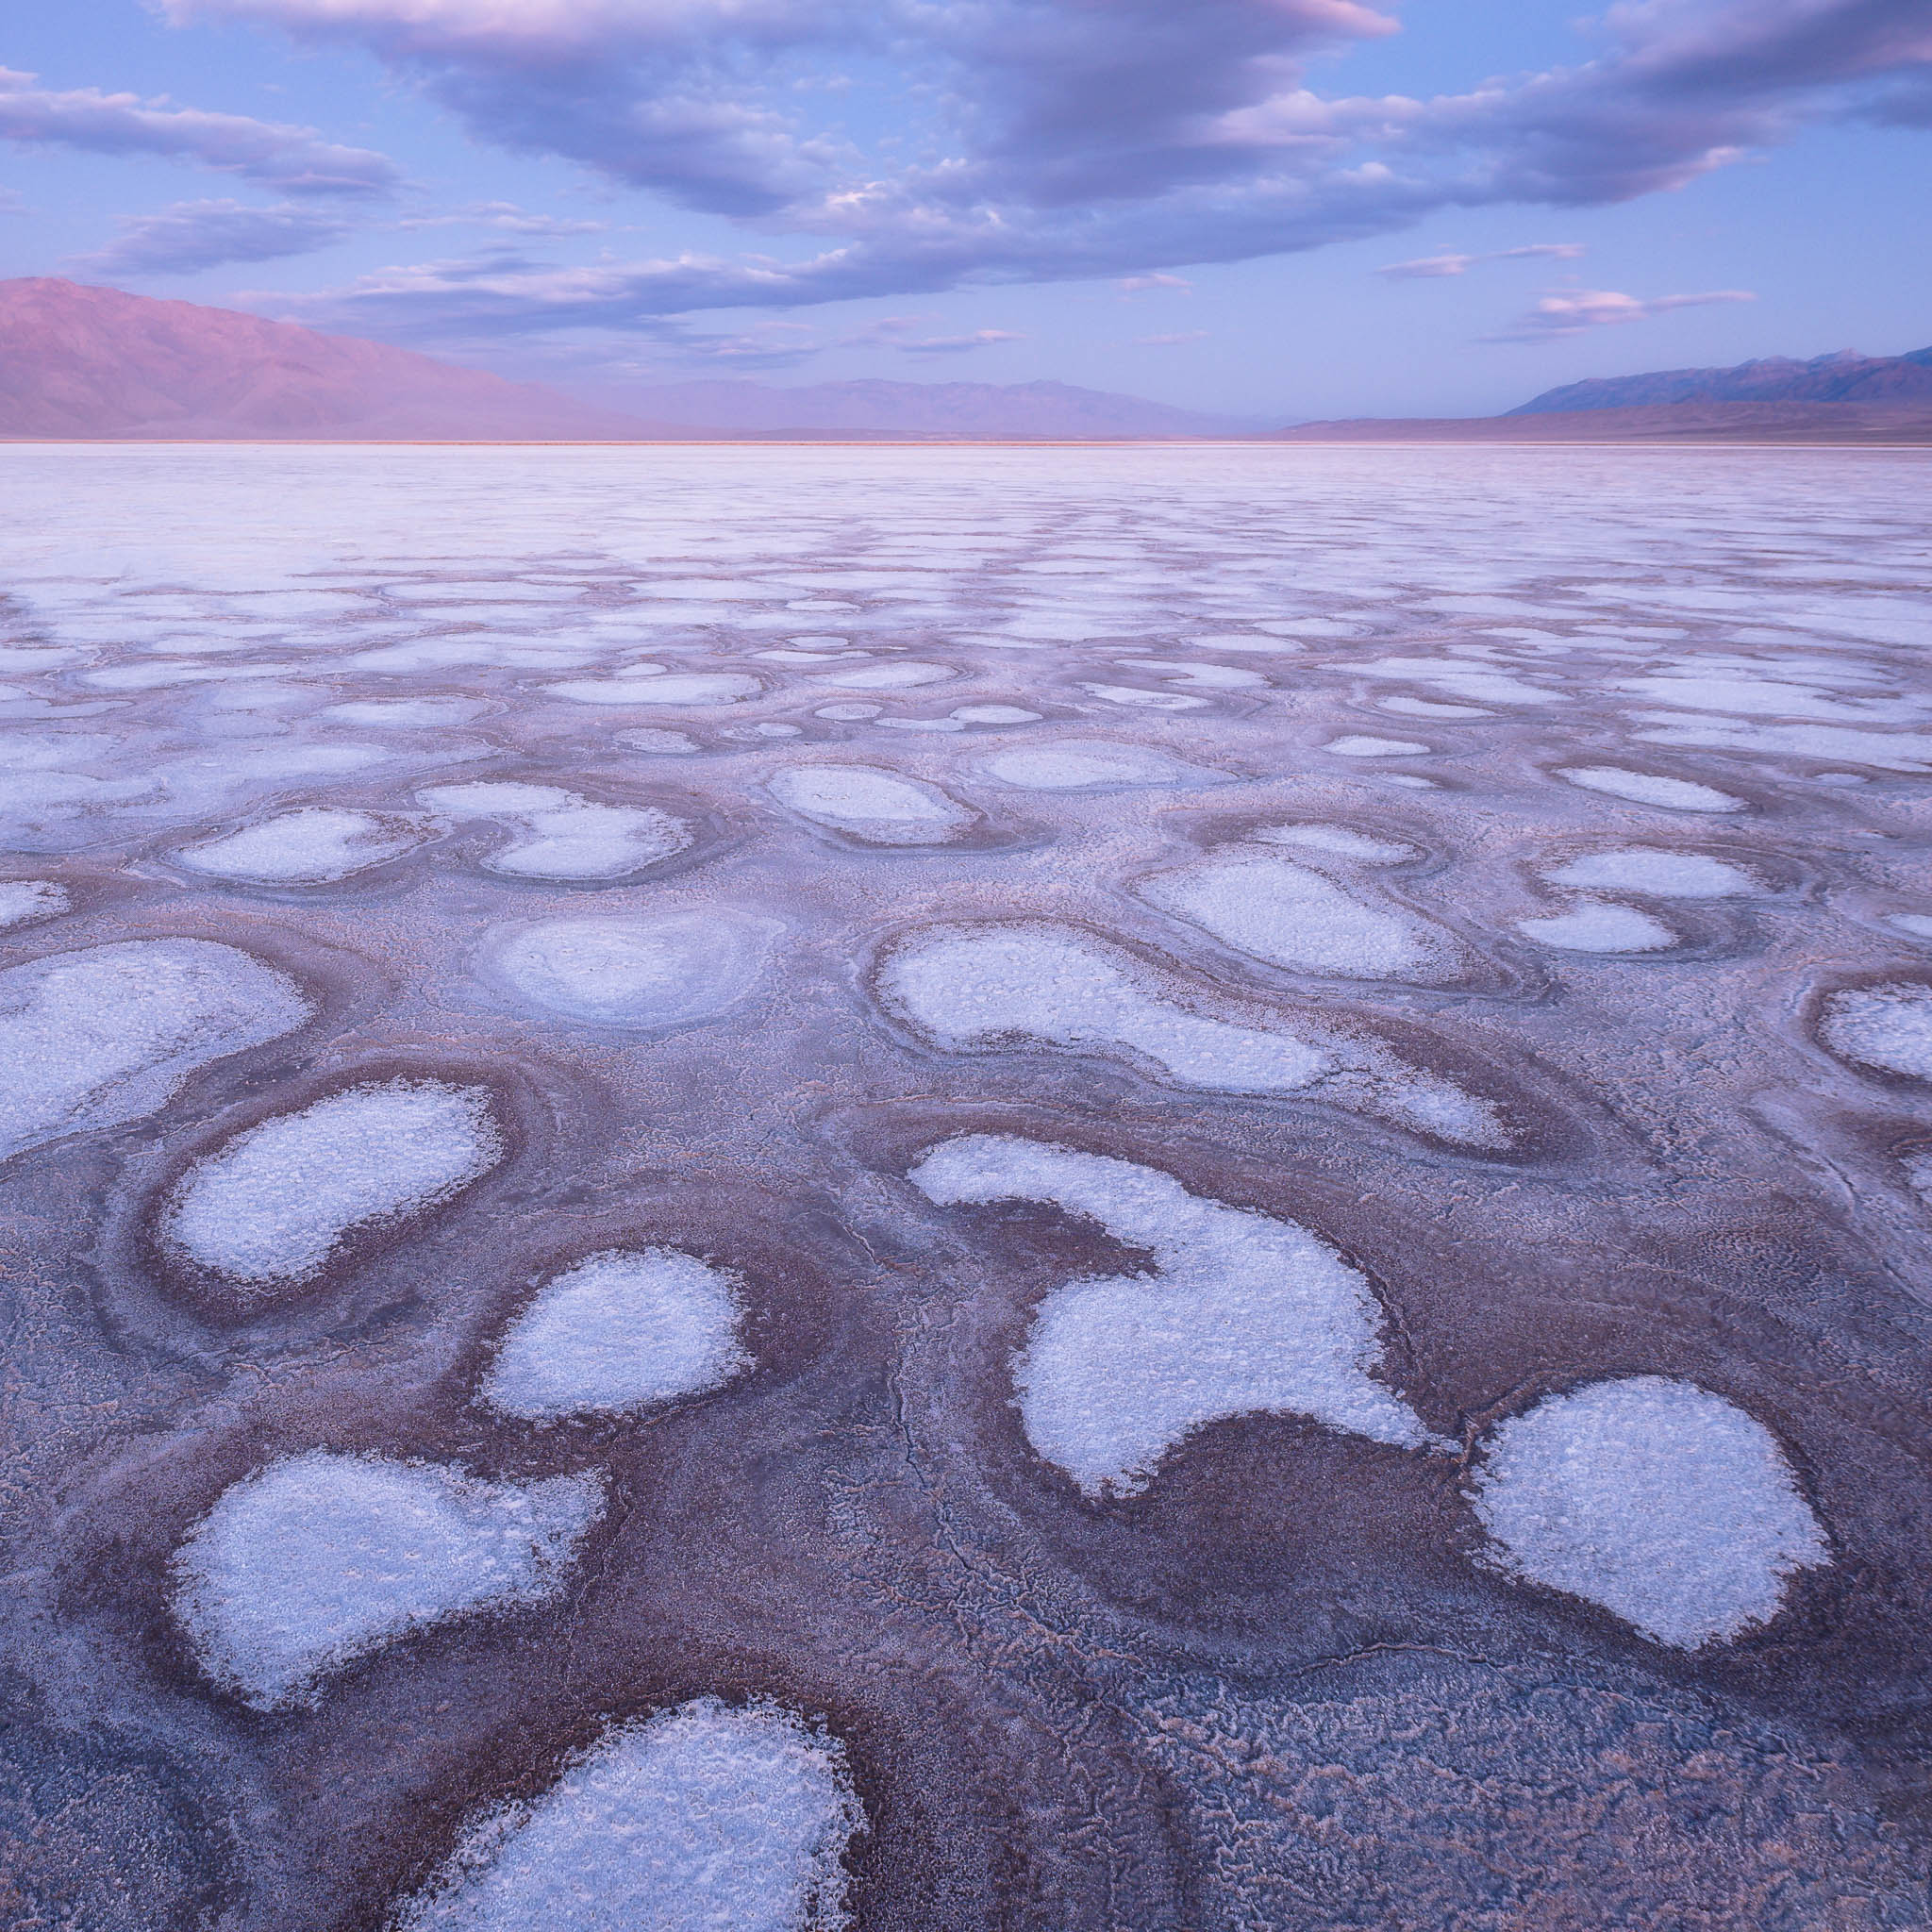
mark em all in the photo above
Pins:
pixel 1278 209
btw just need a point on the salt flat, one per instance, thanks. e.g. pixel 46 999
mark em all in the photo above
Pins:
pixel 1177 1188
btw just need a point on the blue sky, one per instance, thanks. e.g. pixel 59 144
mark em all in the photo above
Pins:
pixel 1282 208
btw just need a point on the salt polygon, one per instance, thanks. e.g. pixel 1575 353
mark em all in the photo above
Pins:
pixel 1088 768
pixel 316 845
pixel 877 806
pixel 93 1038
pixel 564 836
pixel 1244 1312
pixel 618 1331
pixel 1887 1026
pixel 706 1818
pixel 1660 875
pixel 319 1558
pixel 23 901
pixel 664 969
pixel 1600 926
pixel 270 1207
pixel 1664 1503
pixel 1646 788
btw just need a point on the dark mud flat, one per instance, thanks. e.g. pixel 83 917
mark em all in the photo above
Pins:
pixel 1159 1190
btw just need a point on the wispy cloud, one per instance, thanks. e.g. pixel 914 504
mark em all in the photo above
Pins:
pixel 1572 312
pixel 1429 267
pixel 1141 285
pixel 1172 342
pixel 294 160
pixel 194 235
pixel 506 217
pixel 954 345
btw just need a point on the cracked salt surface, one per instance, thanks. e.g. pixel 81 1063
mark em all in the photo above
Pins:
pixel 1887 1026
pixel 93 1038
pixel 1663 1503
pixel 873 806
pixel 1600 927
pixel 315 847
pixel 24 901
pixel 269 1207
pixel 564 836
pixel 1243 1312
pixel 1661 875
pixel 1645 788
pixel 617 1331
pixel 1069 767
pixel 661 969
pixel 706 1817
pixel 318 1559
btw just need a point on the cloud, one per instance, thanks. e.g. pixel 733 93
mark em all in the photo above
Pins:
pixel 953 345
pixel 506 218
pixel 1172 342
pixel 1430 266
pixel 1141 285
pixel 1572 312
pixel 193 235
pixel 292 160
pixel 1059 140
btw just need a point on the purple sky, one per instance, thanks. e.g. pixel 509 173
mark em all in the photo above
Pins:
pixel 1284 207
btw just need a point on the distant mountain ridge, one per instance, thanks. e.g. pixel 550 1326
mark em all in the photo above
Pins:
pixel 1845 376
pixel 876 407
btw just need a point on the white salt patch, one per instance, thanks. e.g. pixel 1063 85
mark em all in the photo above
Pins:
pixel 995 714
pixel 618 1331
pixel 1206 676
pixel 1336 839
pixel 1284 913
pixel 663 970
pixel 847 714
pixel 318 1559
pixel 1889 1026
pixel 91 1039
pixel 1243 1313
pixel 1662 875
pixel 272 1205
pixel 708 1818
pixel 406 714
pixel 22 901
pixel 313 847
pixel 871 804
pixel 1089 767
pixel 1133 697
pixel 904 676
pixel 660 744
pixel 1645 788
pixel 1918 1169
pixel 1919 924
pixel 1430 707
pixel 565 837
pixel 1600 927
pixel 699 689
pixel 1665 1504
pixel 1889 751
pixel 1358 747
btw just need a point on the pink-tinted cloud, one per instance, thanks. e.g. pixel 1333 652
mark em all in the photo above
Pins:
pixel 1572 311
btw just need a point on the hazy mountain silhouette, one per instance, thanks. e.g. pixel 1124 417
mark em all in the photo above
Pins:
pixel 1847 376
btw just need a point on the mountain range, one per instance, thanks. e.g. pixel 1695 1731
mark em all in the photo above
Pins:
pixel 92 364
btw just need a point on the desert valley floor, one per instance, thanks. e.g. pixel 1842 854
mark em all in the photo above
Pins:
pixel 1176 1189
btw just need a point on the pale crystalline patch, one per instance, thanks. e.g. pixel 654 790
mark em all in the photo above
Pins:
pixel 1338 839
pixel 1430 707
pixel 658 743
pixel 23 901
pixel 318 1559
pixel 1645 788
pixel 1090 768
pixel 1890 751
pixel 1204 676
pixel 995 714
pixel 1358 747
pixel 91 1039
pixel 1917 924
pixel 271 1206
pixel 1661 875
pixel 1600 927
pixel 876 806
pixel 1133 697
pixel 1918 1169
pixel 702 690
pixel 314 846
pixel 406 714
pixel 663 970
pixel 708 1818
pixel 564 837
pixel 618 1331
pixel 1889 1026
pixel 1663 1503
pixel 1291 916
pixel 903 675
pixel 1243 1312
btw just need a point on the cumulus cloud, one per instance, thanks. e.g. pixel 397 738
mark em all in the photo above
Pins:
pixel 1427 267
pixel 193 235
pixel 1058 139
pixel 1572 312
pixel 294 160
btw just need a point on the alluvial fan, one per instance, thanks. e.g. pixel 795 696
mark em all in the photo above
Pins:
pixel 926 1189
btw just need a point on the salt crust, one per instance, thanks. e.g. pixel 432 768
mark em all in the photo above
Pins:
pixel 271 1206
pixel 22 901
pixel 313 847
pixel 93 1038
pixel 319 1558
pixel 1089 767
pixel 1889 1026
pixel 900 676
pixel 1663 1503
pixel 965 987
pixel 1917 925
pixel 1291 916
pixel 706 1817
pixel 1359 747
pixel 1243 1312
pixel 663 971
pixel 875 806
pixel 1338 839
pixel 1660 875
pixel 1600 926
pixel 1645 788
pixel 702 691
pixel 618 1331
pixel 565 837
